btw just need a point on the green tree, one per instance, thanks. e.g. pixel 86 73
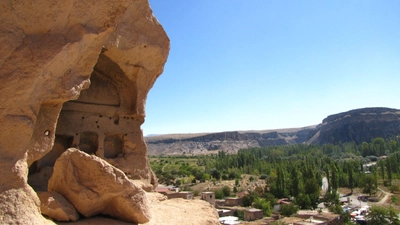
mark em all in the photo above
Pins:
pixel 264 205
pixel 335 178
pixel 351 179
pixel 369 185
pixel 365 149
pixel 219 194
pixel 288 210
pixel 249 199
pixel 226 190
pixel 271 198
pixel 206 176
pixel 216 174
pixel 191 179
pixel 239 214
pixel 312 190
pixel 332 198
pixel 382 216
pixel 393 146
pixel 303 201
pixel 295 182
pixel 280 183
pixel 379 146
pixel 389 170
pixel 381 166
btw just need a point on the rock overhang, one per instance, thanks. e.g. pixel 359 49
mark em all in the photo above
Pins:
pixel 48 54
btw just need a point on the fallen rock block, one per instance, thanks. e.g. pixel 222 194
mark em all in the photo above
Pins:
pixel 94 187
pixel 57 207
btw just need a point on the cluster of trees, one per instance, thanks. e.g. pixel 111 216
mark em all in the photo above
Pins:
pixel 296 171
pixel 225 191
pixel 382 215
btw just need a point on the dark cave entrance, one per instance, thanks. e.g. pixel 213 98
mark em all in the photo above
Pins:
pixel 92 123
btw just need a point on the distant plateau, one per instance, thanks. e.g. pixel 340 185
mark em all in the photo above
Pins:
pixel 356 126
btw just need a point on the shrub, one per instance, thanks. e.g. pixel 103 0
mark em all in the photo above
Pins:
pixel 248 200
pixel 219 194
pixel 278 223
pixel 394 188
pixel 226 190
pixel 264 205
pixel 233 175
pixel 239 214
pixel 196 193
pixel 206 176
pixel 186 188
pixel 288 210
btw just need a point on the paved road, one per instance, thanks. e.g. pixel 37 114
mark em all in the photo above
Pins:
pixel 354 201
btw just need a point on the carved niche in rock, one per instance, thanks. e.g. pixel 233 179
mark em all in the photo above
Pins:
pixel 104 121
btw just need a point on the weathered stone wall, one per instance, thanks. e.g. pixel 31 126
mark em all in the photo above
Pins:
pixel 48 50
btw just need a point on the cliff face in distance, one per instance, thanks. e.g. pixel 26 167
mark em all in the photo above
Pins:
pixel 357 126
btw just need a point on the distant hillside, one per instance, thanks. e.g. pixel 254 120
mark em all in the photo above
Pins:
pixel 358 125
pixel 353 126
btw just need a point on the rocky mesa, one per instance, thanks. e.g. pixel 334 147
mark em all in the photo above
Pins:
pixel 357 126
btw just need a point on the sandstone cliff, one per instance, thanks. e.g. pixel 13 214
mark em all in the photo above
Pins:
pixel 353 126
pixel 50 51
pixel 230 142
pixel 358 125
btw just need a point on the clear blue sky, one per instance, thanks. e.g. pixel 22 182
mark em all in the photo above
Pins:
pixel 267 64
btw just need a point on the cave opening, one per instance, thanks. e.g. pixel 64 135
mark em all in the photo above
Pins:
pixel 92 122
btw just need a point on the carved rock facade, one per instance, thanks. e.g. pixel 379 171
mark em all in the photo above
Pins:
pixel 50 52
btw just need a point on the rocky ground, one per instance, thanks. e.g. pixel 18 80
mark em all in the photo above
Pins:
pixel 171 211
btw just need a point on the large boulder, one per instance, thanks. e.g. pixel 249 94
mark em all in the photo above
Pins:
pixel 94 187
pixel 48 50
pixel 166 211
pixel 57 207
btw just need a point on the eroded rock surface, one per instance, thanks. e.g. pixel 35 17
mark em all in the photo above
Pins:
pixel 48 52
pixel 57 207
pixel 359 125
pixel 166 211
pixel 94 187
pixel 181 211
pixel 230 142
